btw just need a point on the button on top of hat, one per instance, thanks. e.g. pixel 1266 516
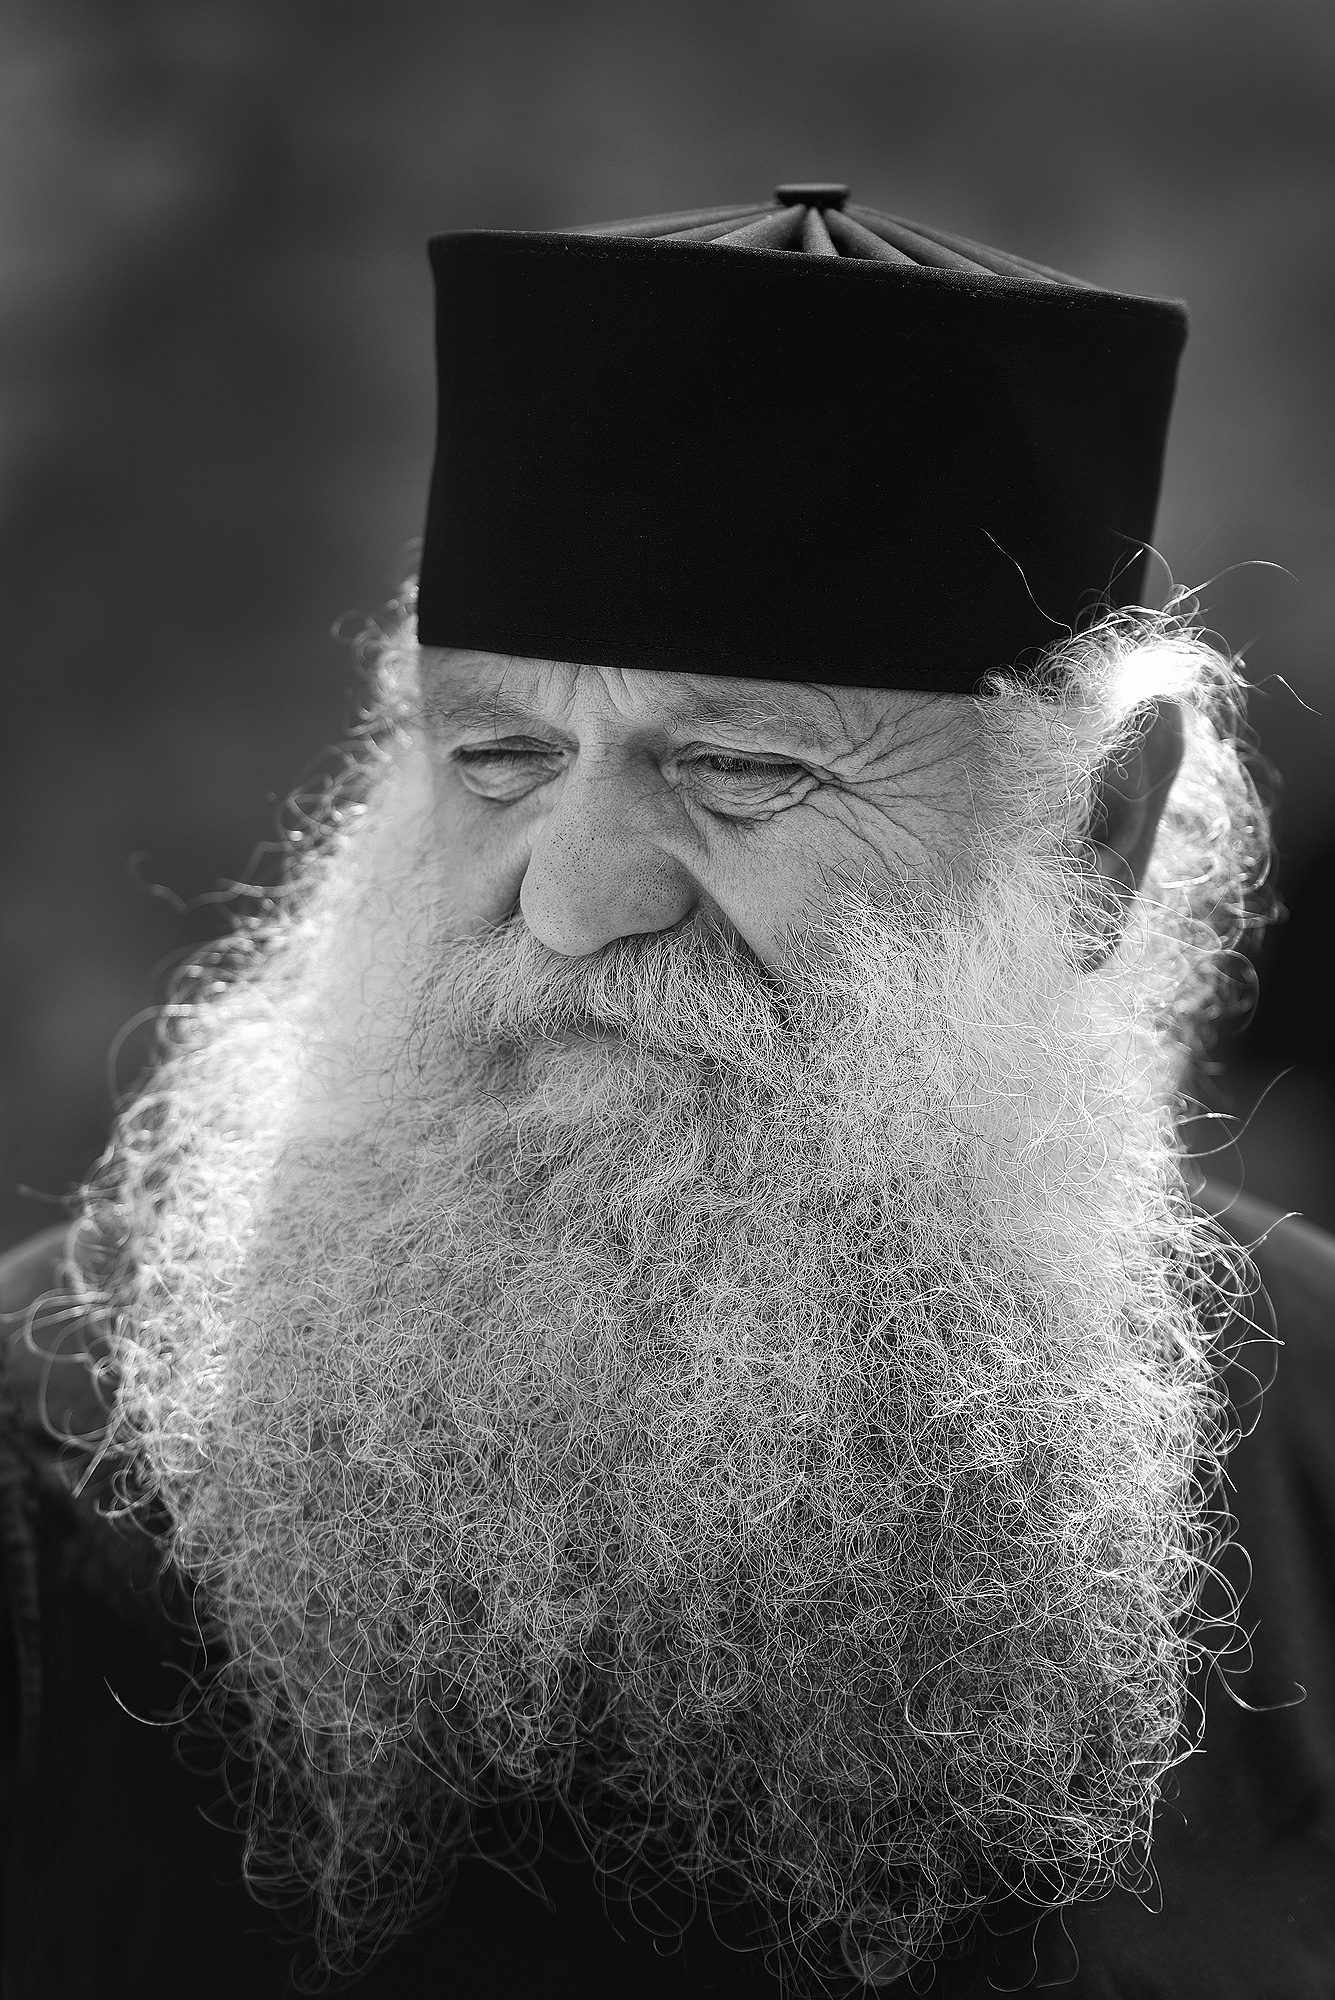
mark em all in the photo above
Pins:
pixel 812 194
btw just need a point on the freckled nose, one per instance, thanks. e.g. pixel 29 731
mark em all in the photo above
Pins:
pixel 598 870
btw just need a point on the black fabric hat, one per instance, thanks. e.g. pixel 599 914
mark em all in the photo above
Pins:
pixel 792 441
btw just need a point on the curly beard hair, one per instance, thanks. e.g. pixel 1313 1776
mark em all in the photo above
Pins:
pixel 776 1416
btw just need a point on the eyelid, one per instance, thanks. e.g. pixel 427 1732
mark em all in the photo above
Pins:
pixel 763 762
pixel 770 777
pixel 507 747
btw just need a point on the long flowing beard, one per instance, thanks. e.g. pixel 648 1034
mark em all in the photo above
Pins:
pixel 775 1417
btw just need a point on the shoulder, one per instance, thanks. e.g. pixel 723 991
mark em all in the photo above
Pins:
pixel 1281 1487
pixel 1294 1262
pixel 48 1367
pixel 61 1513
pixel 1295 1259
pixel 31 1268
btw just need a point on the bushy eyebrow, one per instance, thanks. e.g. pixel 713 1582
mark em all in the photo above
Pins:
pixel 479 708
pixel 794 715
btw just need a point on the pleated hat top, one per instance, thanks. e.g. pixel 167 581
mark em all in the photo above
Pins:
pixel 792 440
pixel 816 217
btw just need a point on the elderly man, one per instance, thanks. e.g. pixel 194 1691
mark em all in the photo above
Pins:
pixel 641 1400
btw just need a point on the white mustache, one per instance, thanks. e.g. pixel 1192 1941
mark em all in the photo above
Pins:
pixel 691 990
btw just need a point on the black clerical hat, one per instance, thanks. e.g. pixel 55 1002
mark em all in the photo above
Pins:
pixel 792 441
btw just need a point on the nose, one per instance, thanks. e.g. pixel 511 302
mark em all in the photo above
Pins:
pixel 598 868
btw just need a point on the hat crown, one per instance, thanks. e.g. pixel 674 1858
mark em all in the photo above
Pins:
pixel 632 470
pixel 816 218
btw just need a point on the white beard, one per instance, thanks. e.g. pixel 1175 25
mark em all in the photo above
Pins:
pixel 782 1429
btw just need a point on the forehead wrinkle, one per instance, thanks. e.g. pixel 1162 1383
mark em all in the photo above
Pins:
pixel 795 709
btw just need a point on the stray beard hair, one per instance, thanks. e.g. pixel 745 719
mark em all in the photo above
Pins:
pixel 778 1417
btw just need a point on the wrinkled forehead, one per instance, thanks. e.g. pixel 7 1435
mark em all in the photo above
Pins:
pixel 462 689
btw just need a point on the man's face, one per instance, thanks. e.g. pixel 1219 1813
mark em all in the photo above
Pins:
pixel 607 805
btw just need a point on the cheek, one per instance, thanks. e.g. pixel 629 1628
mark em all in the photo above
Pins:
pixel 481 855
pixel 769 886
pixel 891 850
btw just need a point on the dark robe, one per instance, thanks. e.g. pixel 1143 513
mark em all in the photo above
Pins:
pixel 122 1865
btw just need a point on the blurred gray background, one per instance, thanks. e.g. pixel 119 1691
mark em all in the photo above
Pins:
pixel 218 399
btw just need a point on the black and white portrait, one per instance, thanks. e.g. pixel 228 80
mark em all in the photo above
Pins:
pixel 668 1325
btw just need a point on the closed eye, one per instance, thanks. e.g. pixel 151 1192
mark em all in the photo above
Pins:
pixel 505 771
pixel 743 767
pixel 734 787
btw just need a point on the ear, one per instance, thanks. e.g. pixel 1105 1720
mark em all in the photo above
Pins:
pixel 1131 789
